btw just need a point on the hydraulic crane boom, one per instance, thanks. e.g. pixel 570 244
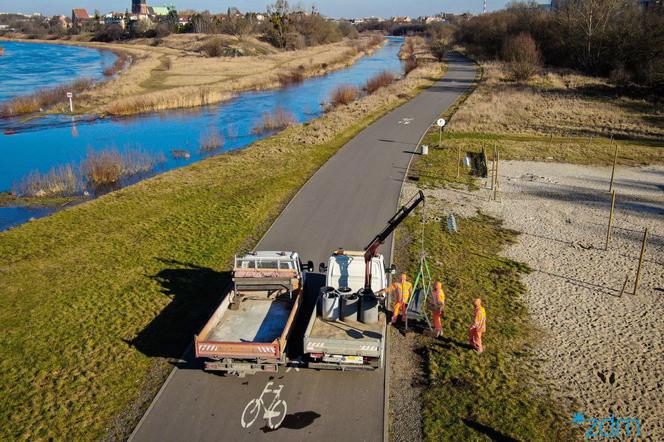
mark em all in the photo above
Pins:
pixel 393 223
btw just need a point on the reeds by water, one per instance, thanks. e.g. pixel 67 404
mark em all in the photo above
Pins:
pixel 382 79
pixel 344 94
pixel 211 141
pixel 278 119
pixel 43 98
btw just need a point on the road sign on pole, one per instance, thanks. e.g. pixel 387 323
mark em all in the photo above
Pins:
pixel 71 102
pixel 440 123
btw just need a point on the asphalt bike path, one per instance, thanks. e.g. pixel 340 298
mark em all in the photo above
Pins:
pixel 344 205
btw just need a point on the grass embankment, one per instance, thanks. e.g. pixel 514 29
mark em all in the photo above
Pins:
pixel 175 72
pixel 498 394
pixel 557 116
pixel 99 296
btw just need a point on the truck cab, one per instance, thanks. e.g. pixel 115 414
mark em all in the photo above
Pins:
pixel 347 268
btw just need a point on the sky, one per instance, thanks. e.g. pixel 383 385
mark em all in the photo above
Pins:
pixel 332 8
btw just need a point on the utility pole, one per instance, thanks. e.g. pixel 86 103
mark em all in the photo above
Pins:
pixel 484 7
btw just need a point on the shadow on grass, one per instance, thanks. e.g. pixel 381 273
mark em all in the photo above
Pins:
pixel 194 291
pixel 488 431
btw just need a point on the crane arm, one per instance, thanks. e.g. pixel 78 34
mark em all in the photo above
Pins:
pixel 393 223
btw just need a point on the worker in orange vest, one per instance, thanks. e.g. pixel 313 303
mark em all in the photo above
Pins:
pixel 479 326
pixel 437 306
pixel 403 291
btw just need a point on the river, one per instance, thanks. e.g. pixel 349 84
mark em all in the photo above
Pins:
pixel 60 140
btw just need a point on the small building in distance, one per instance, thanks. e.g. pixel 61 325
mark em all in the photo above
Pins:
pixel 80 17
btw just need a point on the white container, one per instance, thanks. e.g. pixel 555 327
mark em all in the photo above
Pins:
pixel 425 149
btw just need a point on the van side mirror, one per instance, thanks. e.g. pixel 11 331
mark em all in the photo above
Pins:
pixel 391 270
pixel 322 268
pixel 310 266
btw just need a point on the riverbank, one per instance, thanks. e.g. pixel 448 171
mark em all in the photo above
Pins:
pixel 175 72
pixel 117 286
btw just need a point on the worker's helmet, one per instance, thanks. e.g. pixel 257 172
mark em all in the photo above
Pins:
pixel 439 285
pixel 404 276
pixel 477 302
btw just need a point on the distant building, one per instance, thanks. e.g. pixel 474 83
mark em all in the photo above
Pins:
pixel 433 19
pixel 160 11
pixel 79 17
pixel 139 7
pixel 405 19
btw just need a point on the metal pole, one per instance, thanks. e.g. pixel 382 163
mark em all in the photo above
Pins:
pixel 458 160
pixel 613 170
pixel 440 137
pixel 643 252
pixel 608 230
pixel 71 105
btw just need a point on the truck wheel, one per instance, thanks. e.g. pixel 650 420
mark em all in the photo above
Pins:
pixel 250 413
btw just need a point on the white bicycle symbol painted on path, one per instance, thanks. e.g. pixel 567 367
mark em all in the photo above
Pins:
pixel 274 414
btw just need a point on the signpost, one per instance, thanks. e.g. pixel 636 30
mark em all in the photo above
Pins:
pixel 71 102
pixel 440 123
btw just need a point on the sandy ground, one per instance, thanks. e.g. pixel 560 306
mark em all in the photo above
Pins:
pixel 603 352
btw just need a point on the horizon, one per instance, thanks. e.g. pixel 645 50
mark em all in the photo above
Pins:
pixel 334 9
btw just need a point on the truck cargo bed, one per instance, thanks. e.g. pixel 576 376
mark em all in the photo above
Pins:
pixel 257 320
pixel 348 330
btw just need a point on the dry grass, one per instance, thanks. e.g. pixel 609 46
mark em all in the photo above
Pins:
pixel 110 166
pixel 96 291
pixel 279 119
pixel 343 95
pixel 379 80
pixel 180 154
pixel 295 76
pixel 119 65
pixel 164 100
pixel 211 141
pixel 557 103
pixel 43 98
pixel 59 181
pixel 175 74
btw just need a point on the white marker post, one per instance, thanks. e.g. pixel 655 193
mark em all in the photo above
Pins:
pixel 440 123
pixel 71 102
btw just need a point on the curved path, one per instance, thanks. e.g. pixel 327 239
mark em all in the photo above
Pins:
pixel 344 205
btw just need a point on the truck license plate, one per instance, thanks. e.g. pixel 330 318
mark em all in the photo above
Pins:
pixel 353 359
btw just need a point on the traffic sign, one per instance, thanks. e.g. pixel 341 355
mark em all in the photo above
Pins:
pixel 70 95
pixel 440 122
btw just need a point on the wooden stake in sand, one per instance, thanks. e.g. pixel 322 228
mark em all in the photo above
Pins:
pixel 638 269
pixel 613 170
pixel 608 230
pixel 495 185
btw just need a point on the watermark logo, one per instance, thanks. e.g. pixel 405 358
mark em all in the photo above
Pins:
pixel 609 428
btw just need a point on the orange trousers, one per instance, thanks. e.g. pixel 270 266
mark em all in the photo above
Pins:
pixel 436 315
pixel 400 306
pixel 475 337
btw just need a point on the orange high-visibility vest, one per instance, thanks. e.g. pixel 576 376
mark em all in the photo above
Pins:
pixel 438 297
pixel 480 319
pixel 403 291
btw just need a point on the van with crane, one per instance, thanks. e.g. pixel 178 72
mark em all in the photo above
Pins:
pixel 356 344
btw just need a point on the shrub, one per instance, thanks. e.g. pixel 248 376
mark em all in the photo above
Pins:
pixel 439 49
pixel 211 141
pixel 344 94
pixel 59 181
pixel 119 64
pixel 295 76
pixel 109 34
pixel 215 47
pixel 522 54
pixel 280 118
pixel 379 80
pixel 110 166
pixel 410 65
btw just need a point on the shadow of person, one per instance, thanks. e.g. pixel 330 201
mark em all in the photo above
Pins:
pixel 194 292
pixel 448 343
pixel 488 431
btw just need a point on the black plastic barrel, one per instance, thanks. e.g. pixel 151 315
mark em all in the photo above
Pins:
pixel 350 305
pixel 343 291
pixel 368 307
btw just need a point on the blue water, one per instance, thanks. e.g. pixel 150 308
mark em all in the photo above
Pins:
pixel 61 140
pixel 26 67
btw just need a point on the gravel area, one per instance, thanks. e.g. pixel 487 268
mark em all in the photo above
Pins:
pixel 603 350
pixel 406 381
